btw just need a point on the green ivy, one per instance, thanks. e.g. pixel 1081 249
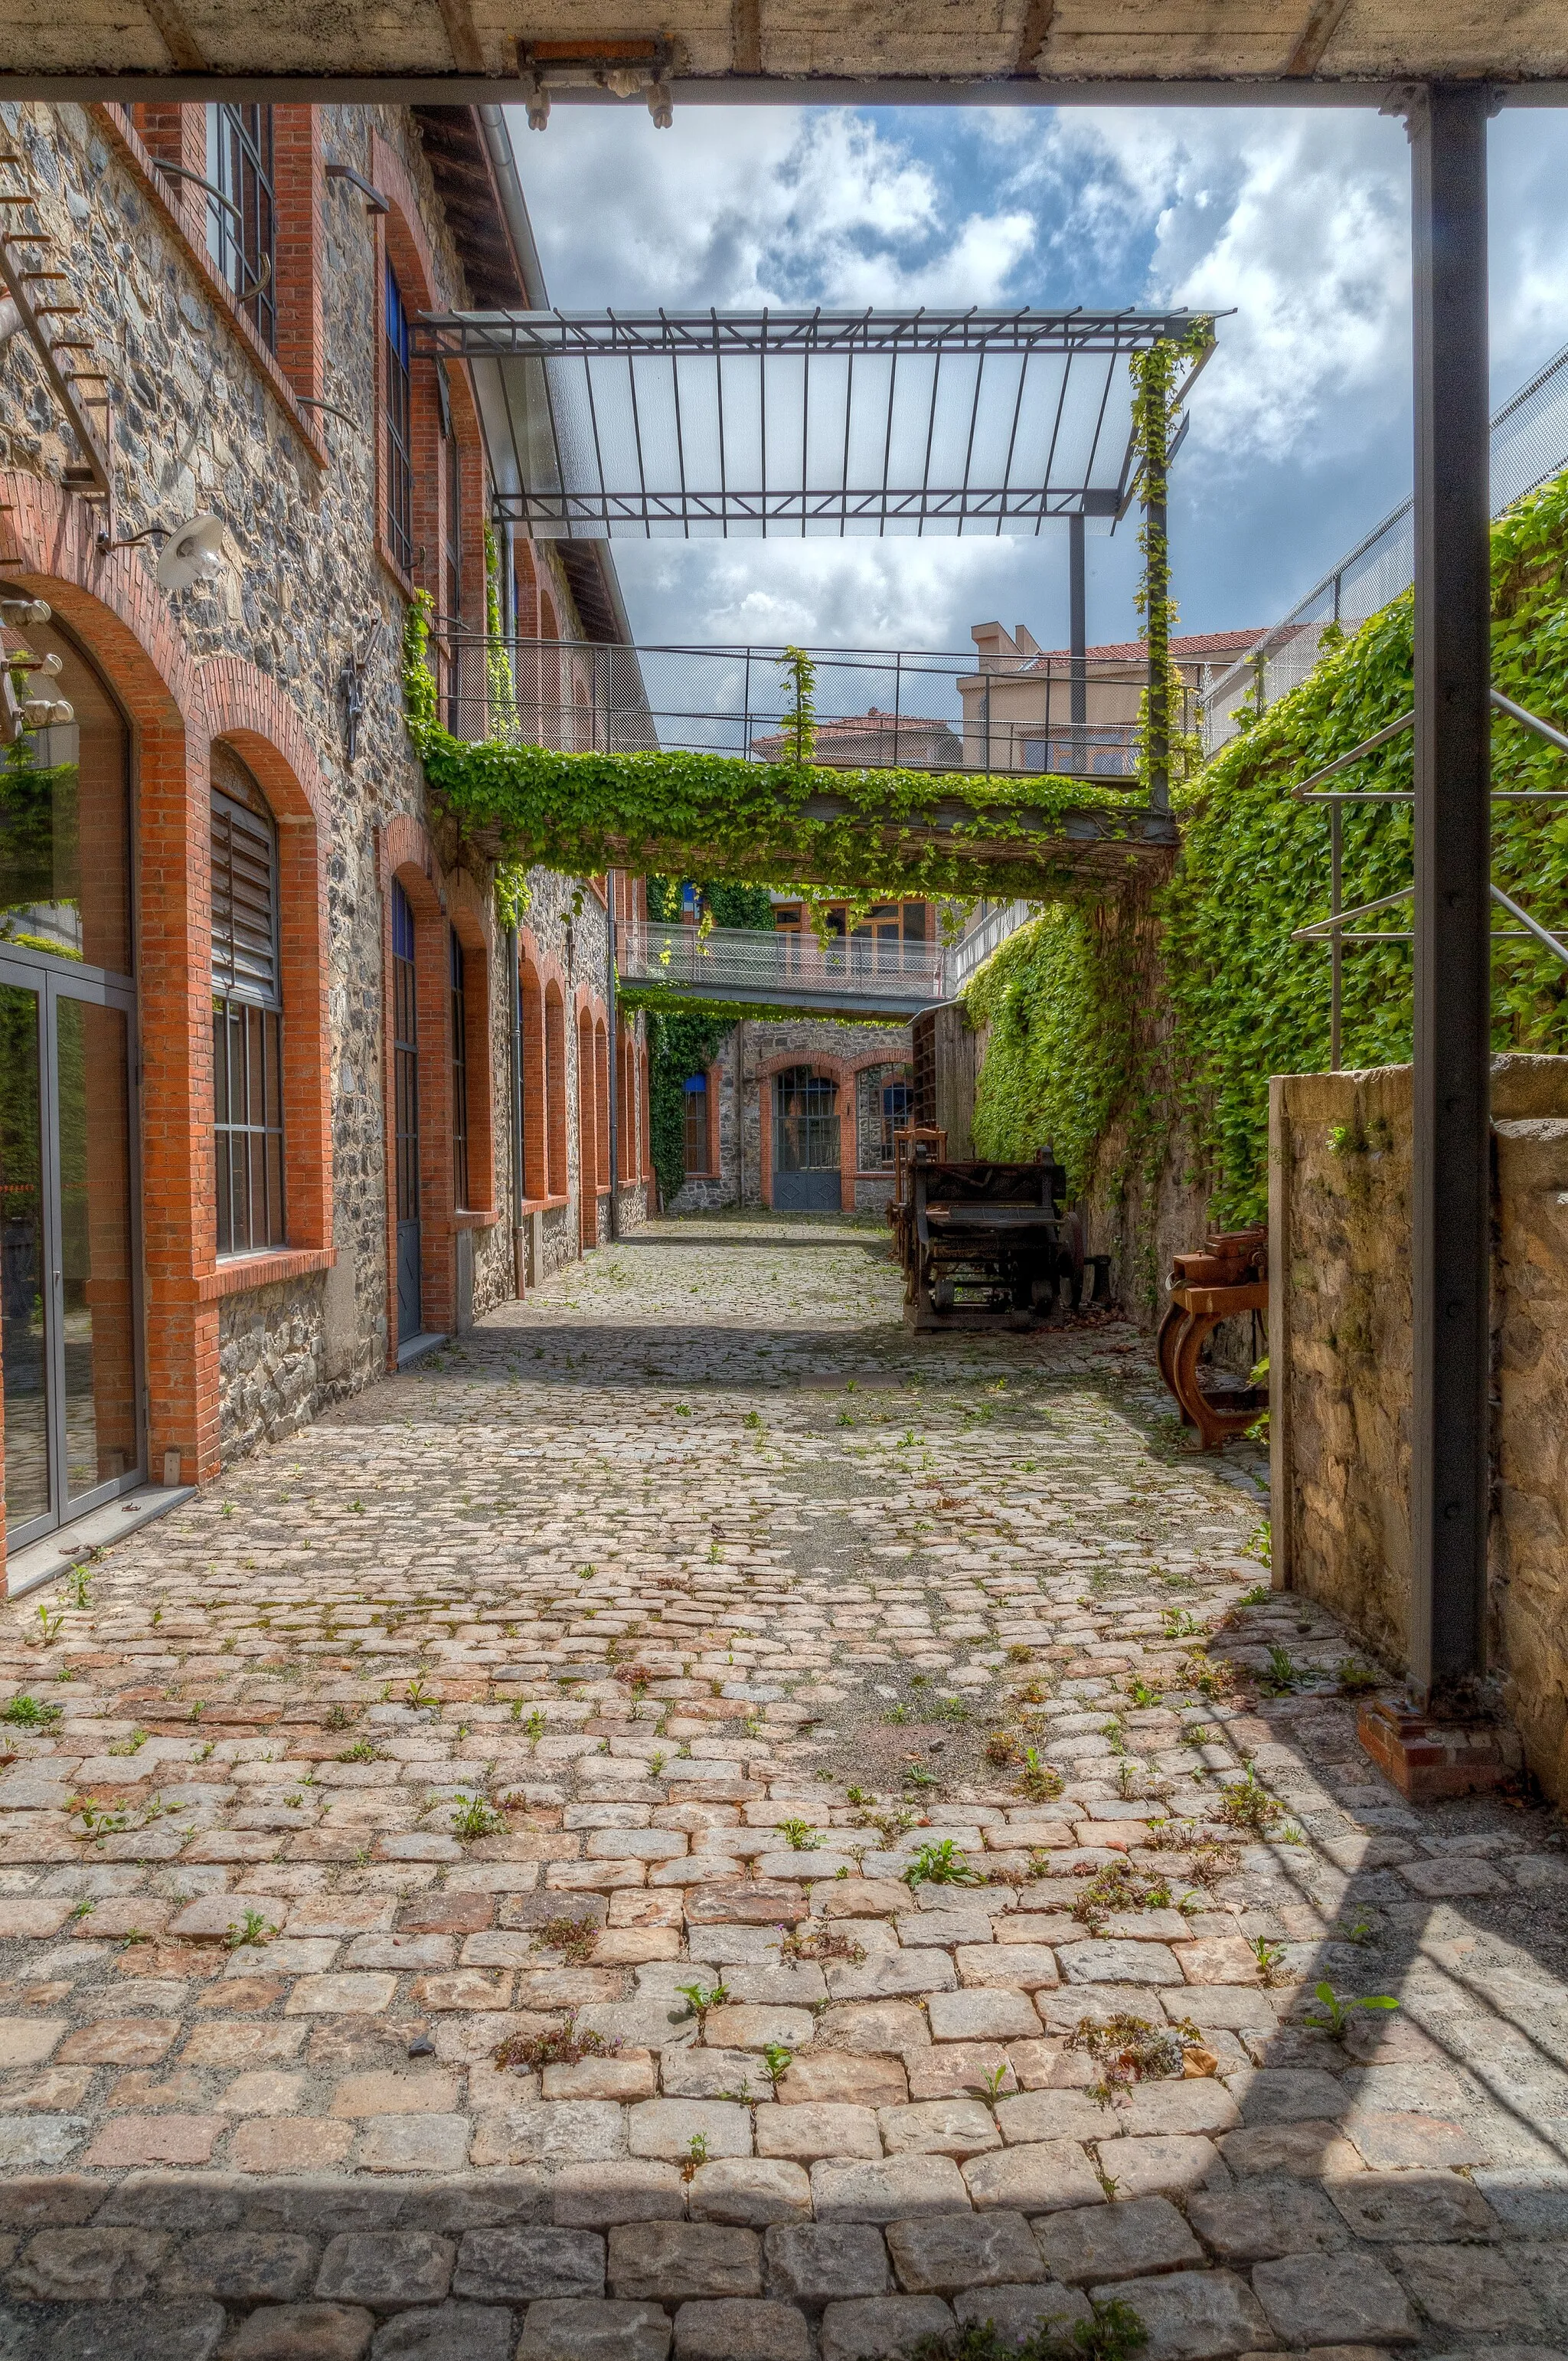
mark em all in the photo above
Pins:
pixel 741 822
pixel 1110 1039
pixel 680 1042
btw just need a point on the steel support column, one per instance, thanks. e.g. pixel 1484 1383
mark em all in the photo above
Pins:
pixel 1078 634
pixel 1450 1475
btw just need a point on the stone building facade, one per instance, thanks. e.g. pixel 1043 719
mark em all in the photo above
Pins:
pixel 778 1093
pixel 282 1096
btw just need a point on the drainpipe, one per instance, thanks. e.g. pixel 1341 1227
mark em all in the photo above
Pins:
pixel 613 1062
pixel 520 229
pixel 514 972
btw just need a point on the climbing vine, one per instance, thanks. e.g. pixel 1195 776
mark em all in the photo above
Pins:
pixel 758 823
pixel 1112 1051
pixel 1164 756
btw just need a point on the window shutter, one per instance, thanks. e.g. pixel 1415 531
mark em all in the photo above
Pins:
pixel 244 904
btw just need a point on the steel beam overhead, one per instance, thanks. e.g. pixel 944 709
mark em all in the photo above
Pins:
pixel 1451 1227
pixel 802 422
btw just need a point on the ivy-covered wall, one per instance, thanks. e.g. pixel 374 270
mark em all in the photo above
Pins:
pixel 1138 1037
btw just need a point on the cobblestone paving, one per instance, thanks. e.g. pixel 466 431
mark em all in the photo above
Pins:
pixel 610 1844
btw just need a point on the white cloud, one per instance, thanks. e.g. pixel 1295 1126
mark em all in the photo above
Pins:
pixel 1298 220
pixel 750 206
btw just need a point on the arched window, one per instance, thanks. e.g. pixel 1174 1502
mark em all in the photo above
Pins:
pixel 400 426
pixel 457 986
pixel 555 1093
pixel 601 1103
pixel 248 1015
pixel 535 1087
pixel 883 1098
pixel 696 1154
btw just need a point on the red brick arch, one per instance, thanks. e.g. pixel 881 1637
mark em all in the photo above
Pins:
pixel 837 1070
pixel 246 711
pixel 175 706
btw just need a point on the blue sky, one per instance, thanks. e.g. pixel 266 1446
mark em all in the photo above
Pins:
pixel 1301 435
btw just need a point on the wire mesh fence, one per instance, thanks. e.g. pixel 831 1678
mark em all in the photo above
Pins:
pixel 875 708
pixel 1530 442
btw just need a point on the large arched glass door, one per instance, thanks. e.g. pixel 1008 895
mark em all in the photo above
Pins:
pixel 70 1356
pixel 806 1142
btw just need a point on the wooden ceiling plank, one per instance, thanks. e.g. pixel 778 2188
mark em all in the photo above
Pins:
pixel 1037 24
pixel 185 49
pixel 462 35
pixel 1316 34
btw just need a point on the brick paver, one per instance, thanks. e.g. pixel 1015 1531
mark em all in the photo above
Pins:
pixel 609 1843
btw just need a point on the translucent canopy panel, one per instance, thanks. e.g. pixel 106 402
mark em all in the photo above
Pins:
pixel 822 423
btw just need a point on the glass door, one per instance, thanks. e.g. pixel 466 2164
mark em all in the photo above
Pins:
pixel 68 1278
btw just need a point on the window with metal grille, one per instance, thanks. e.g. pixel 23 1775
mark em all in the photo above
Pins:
pixel 459 1073
pixel 696 1123
pixel 806 1120
pixel 242 217
pixel 883 1101
pixel 405 1057
pixel 400 444
pixel 248 1032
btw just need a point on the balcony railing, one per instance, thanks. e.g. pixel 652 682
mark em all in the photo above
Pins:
pixel 791 969
pixel 875 709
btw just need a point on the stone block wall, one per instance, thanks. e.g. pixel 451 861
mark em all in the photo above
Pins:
pixel 742 1080
pixel 251 670
pixel 1340 1353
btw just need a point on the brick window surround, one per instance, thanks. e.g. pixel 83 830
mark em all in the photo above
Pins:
pixel 401 242
pixel 143 133
pixel 111 605
pixel 543 1078
pixel 468 913
pixel 711 1171
pixel 558 1181
pixel 405 852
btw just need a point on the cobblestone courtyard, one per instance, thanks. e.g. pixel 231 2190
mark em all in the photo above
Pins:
pixel 607 1844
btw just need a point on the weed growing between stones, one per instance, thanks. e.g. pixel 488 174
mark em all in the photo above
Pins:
pixel 1248 1805
pixel 1332 2013
pixel 943 1864
pixel 26 1713
pixel 821 1943
pixel 1118 1886
pixel 1130 2050
pixel 561 2045
pixel 1041 1782
pixel 1115 2332
pixel 573 1937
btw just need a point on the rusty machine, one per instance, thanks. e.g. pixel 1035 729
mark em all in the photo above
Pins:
pixel 1226 1279
pixel 986 1246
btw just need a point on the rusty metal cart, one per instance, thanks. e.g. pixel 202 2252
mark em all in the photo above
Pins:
pixel 988 1246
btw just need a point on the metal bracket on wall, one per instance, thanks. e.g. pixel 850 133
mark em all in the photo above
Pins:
pixel 351 684
pixel 92 478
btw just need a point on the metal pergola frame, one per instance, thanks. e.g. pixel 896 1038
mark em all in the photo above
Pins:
pixel 516 352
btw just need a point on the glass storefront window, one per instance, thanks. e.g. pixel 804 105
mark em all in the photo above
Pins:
pixel 65 862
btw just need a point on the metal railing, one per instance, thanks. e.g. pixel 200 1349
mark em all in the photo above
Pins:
pixel 986 933
pixel 1528 444
pixel 875 709
pixel 740 963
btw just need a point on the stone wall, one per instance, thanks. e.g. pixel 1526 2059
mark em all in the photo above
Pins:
pixel 744 1071
pixel 207 418
pixel 1340 1348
